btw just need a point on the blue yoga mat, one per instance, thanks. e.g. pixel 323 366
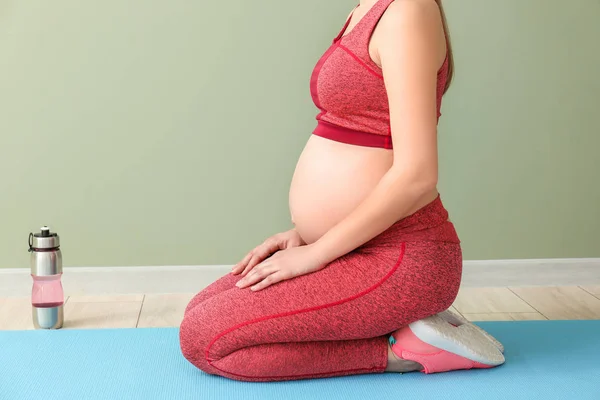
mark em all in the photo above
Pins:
pixel 545 360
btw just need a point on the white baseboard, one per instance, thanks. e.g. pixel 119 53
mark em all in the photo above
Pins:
pixel 192 279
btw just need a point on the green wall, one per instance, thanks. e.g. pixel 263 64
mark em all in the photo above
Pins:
pixel 166 132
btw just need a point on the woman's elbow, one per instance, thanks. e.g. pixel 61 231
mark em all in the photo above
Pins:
pixel 423 187
pixel 427 183
pixel 420 182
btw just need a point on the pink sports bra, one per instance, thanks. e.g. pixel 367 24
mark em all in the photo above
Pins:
pixel 348 89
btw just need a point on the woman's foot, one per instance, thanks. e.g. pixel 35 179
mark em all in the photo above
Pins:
pixel 434 345
pixel 458 320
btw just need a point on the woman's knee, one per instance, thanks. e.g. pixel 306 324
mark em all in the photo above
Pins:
pixel 205 333
pixel 195 334
pixel 196 300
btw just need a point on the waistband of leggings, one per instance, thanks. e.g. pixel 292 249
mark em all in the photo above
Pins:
pixel 429 223
pixel 429 216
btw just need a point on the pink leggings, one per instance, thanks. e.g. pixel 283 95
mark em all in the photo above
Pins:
pixel 332 322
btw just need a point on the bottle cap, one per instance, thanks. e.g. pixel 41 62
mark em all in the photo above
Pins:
pixel 44 240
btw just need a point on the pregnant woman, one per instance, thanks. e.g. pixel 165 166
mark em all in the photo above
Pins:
pixel 363 282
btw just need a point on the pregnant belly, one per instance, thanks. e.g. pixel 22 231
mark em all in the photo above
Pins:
pixel 331 179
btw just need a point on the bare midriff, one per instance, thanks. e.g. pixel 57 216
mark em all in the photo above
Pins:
pixel 331 179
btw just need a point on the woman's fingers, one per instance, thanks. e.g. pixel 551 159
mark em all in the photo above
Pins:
pixel 268 281
pixel 257 274
pixel 239 267
pixel 261 253
pixel 256 259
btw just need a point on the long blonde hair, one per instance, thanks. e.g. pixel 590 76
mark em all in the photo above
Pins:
pixel 448 46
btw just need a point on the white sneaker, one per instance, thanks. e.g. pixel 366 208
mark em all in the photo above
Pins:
pixel 458 320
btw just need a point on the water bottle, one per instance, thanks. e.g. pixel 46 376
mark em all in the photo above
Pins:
pixel 47 296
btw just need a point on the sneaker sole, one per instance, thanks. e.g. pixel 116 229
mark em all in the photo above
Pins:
pixel 455 319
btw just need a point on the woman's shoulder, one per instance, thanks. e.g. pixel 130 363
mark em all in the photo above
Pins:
pixel 418 22
pixel 420 13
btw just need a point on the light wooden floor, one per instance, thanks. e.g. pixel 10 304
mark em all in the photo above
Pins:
pixel 476 304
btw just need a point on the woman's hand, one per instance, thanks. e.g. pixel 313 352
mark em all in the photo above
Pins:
pixel 281 241
pixel 283 265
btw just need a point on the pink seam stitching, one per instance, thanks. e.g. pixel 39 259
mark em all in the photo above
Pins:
pixel 315 76
pixel 360 61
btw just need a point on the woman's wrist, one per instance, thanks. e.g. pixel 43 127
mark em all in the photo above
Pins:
pixel 323 253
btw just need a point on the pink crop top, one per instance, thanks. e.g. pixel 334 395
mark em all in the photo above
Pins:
pixel 348 89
